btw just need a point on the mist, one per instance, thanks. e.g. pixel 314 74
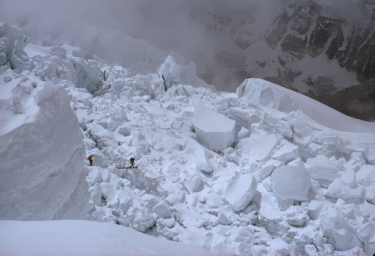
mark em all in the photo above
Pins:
pixel 200 31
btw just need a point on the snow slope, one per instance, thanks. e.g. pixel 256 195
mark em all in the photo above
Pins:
pixel 72 237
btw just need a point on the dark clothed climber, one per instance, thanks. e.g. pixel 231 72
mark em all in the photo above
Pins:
pixel 132 162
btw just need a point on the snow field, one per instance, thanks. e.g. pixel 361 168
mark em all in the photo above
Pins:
pixel 290 184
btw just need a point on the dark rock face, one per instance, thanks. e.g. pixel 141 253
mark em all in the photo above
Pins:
pixel 324 29
pixel 299 22
pixel 305 28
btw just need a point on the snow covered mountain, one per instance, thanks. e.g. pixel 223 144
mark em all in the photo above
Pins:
pixel 264 170
pixel 317 48
pixel 323 49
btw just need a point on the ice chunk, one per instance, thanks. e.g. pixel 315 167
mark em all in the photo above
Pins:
pixel 89 74
pixel 336 229
pixel 367 235
pixel 110 194
pixel 95 194
pixel 162 210
pixel 286 152
pixel 291 182
pixel 284 128
pixel 139 143
pixel 93 176
pixel 243 133
pixel 297 217
pixel 150 201
pixel 199 153
pixel 267 169
pixel 369 153
pixel 270 216
pixel 370 194
pixel 155 112
pixel 314 209
pixel 141 218
pixel 194 183
pixel 214 131
pixel 322 170
pixel 356 161
pixel 223 219
pixel 244 117
pixel 349 178
pixel 124 129
pixel 366 175
pixel 259 147
pixel 338 189
pixel 214 201
pixel 170 72
pixel 267 94
pixel 240 191
pixel 125 199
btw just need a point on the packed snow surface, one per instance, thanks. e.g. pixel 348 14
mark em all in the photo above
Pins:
pixel 261 171
pixel 81 238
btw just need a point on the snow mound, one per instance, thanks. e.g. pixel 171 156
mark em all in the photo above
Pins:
pixel 42 152
pixel 215 131
pixel 72 237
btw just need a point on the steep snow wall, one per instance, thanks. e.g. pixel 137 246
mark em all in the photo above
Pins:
pixel 42 153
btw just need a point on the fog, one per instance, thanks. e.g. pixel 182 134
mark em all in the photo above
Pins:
pixel 199 30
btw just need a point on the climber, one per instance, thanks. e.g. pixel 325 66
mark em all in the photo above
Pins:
pixel 90 159
pixel 132 162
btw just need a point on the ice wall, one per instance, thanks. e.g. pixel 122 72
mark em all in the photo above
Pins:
pixel 12 42
pixel 312 123
pixel 42 153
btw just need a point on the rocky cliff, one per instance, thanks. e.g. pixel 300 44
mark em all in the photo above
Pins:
pixel 308 47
